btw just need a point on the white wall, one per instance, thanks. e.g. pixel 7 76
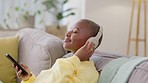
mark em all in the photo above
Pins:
pixel 114 16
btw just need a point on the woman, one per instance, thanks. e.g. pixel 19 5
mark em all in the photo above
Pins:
pixel 75 69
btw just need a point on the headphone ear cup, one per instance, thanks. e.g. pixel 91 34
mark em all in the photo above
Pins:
pixel 94 41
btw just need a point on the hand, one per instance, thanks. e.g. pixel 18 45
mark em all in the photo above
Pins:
pixel 85 52
pixel 19 72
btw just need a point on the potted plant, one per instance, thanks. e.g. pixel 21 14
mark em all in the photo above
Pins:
pixel 56 8
pixel 24 18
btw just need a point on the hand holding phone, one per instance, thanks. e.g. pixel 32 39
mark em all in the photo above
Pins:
pixel 16 64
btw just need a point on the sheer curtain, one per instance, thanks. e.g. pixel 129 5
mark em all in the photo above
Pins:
pixel 6 19
pixel 12 10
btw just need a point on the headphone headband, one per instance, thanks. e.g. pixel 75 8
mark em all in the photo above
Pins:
pixel 96 39
pixel 99 34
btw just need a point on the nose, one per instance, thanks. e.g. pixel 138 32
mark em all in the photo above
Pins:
pixel 68 34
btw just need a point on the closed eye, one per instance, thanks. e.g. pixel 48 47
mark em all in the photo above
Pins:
pixel 75 30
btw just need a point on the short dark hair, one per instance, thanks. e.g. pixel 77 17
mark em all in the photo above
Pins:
pixel 94 27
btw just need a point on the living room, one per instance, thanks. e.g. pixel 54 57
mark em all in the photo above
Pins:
pixel 115 16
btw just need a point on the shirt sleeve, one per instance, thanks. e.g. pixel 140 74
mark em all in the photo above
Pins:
pixel 64 70
pixel 74 60
pixel 30 80
pixel 71 70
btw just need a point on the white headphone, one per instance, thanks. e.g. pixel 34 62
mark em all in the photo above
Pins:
pixel 95 39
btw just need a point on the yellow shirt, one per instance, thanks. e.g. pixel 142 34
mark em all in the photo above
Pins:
pixel 67 70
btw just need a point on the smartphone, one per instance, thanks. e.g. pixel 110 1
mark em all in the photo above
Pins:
pixel 16 64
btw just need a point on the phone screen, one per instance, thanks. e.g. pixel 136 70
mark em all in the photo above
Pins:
pixel 16 64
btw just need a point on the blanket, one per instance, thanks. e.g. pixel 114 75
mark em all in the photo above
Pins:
pixel 119 70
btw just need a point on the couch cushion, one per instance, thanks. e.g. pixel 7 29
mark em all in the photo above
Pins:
pixel 8 45
pixel 102 58
pixel 140 74
pixel 38 49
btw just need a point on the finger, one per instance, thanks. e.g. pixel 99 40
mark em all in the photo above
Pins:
pixel 25 67
pixel 19 73
pixel 16 68
pixel 22 64
pixel 92 44
pixel 86 44
pixel 91 47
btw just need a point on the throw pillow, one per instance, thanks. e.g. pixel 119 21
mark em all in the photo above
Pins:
pixel 8 45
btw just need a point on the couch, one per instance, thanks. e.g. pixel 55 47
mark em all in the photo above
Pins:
pixel 39 50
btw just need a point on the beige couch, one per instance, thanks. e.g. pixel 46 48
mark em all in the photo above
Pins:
pixel 39 51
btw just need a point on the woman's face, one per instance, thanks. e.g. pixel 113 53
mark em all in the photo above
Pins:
pixel 76 37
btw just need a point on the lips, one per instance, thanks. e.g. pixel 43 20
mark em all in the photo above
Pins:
pixel 67 40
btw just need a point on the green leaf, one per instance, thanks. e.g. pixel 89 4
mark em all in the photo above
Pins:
pixel 50 4
pixel 38 12
pixel 70 14
pixel 65 1
pixel 59 16
pixel 17 9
